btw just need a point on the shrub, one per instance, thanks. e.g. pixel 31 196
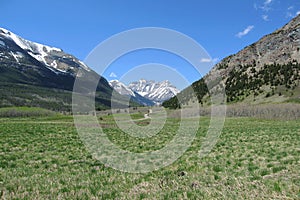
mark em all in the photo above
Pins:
pixel 25 112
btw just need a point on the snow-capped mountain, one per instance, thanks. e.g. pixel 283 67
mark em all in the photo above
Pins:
pixel 157 92
pixel 122 89
pixel 32 74
pixel 15 48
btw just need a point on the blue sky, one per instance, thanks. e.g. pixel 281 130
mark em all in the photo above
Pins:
pixel 77 27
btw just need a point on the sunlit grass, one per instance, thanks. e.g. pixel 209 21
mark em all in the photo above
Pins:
pixel 253 159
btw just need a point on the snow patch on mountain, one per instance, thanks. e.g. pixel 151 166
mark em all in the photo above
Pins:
pixel 84 65
pixel 52 58
pixel 121 88
pixel 36 50
pixel 28 45
pixel 55 66
pixel 2 43
pixel 17 55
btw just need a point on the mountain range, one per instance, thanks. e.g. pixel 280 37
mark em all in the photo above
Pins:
pixel 122 89
pixel 157 92
pixel 33 74
pixel 267 71
pixel 146 92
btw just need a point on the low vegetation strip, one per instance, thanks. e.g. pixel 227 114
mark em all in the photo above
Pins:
pixel 25 112
pixel 280 111
pixel 286 111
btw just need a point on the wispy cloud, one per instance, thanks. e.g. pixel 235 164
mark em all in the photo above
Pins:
pixel 113 75
pixel 205 60
pixel 245 32
pixel 291 15
pixel 255 6
pixel 267 2
pixel 208 60
pixel 265 18
pixel 267 5
pixel 215 60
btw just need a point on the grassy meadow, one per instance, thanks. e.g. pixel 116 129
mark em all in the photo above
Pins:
pixel 42 157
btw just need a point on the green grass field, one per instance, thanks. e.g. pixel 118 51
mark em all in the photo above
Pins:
pixel 44 158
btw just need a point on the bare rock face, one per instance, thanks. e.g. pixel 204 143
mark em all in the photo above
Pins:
pixel 281 47
pixel 265 71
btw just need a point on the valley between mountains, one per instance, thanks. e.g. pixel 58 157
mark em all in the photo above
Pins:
pixel 147 139
pixel 267 71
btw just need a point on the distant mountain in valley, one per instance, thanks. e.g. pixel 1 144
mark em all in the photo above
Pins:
pixel 122 89
pixel 157 92
pixel 267 71
pixel 146 92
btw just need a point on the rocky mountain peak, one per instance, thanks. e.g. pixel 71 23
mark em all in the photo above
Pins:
pixel 16 49
pixel 281 46
pixel 155 91
pixel 265 71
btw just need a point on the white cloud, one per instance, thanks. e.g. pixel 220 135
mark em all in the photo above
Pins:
pixel 267 2
pixel 205 60
pixel 291 15
pixel 266 6
pixel 208 60
pixel 265 17
pixel 113 75
pixel 255 6
pixel 215 60
pixel 245 32
pixel 291 8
